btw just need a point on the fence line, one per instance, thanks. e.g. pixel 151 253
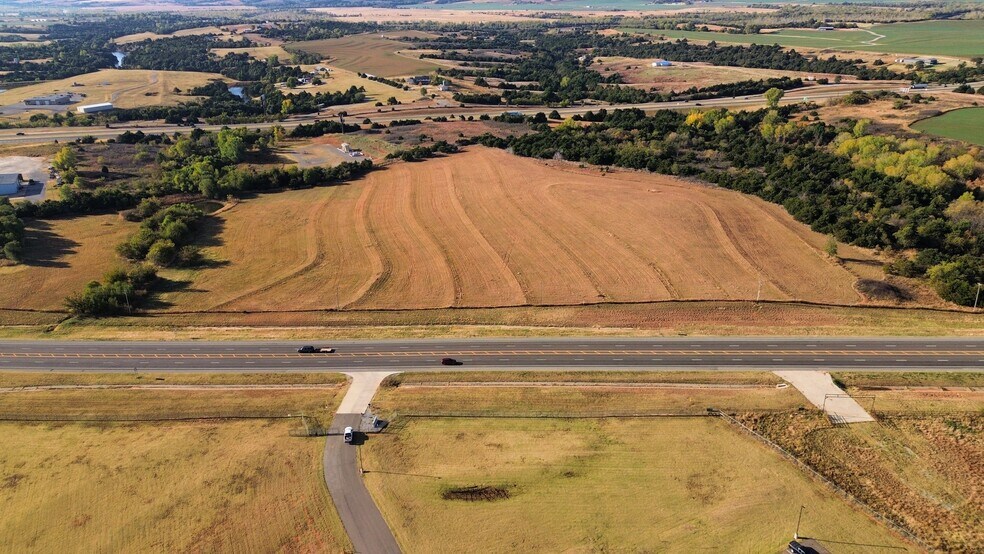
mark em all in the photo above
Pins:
pixel 897 527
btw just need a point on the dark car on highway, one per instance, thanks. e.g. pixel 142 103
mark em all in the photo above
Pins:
pixel 315 350
pixel 449 361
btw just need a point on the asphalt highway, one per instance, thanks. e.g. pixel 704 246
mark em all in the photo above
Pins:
pixel 812 93
pixel 898 354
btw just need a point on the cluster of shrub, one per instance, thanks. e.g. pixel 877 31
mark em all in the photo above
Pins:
pixel 164 236
pixel 797 165
pixel 418 153
pixel 120 292
pixel 11 232
pixel 320 128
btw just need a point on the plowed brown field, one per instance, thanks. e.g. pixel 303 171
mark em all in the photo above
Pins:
pixel 485 228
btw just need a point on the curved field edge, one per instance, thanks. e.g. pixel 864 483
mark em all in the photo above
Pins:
pixel 517 225
pixel 944 125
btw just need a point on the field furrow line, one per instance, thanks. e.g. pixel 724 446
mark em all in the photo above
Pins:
pixel 625 255
pixel 731 246
pixel 509 196
pixel 509 286
pixel 312 245
pixel 381 267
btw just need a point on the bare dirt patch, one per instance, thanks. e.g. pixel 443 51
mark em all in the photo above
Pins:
pixel 476 493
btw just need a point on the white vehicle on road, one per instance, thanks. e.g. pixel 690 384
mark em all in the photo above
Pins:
pixel 348 435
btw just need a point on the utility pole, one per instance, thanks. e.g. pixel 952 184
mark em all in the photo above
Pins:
pixel 758 295
pixel 796 535
pixel 978 296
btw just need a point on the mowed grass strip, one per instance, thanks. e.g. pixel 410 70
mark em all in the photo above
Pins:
pixel 146 404
pixel 574 401
pixel 367 53
pixel 764 378
pixel 243 486
pixel 28 379
pixel 966 124
pixel 940 38
pixel 924 393
pixel 667 485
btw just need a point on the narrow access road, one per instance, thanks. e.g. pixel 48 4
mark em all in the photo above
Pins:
pixel 819 388
pixel 364 524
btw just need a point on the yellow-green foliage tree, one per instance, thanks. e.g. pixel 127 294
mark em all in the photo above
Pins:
pixel 919 163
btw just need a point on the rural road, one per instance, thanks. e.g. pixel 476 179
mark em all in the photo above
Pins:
pixel 813 93
pixel 364 524
pixel 725 353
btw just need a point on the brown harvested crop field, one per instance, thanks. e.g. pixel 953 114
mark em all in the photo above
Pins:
pixel 62 255
pixel 368 53
pixel 484 228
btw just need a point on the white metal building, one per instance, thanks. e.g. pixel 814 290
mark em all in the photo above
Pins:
pixel 10 183
pixel 93 108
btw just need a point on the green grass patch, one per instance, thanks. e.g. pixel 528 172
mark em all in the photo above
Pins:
pixel 934 38
pixel 966 124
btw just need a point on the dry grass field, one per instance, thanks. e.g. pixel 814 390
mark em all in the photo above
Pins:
pixel 599 485
pixel 682 76
pixel 125 88
pixel 449 399
pixel 340 79
pixel 62 255
pixel 137 37
pixel 95 482
pixel 486 229
pixel 922 470
pixel 486 395
pixel 195 486
pixel 257 52
pixel 368 53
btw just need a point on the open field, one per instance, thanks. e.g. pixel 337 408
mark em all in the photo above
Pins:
pixel 257 52
pixel 933 38
pixel 690 377
pixel 910 379
pixel 121 404
pixel 611 484
pixel 125 88
pixel 339 79
pixel 573 400
pixel 148 378
pixel 964 124
pixel 682 76
pixel 164 487
pixel 368 53
pixel 923 471
pixel 486 229
pixel 138 37
pixel 61 256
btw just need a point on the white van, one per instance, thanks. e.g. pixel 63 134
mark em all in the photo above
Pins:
pixel 347 434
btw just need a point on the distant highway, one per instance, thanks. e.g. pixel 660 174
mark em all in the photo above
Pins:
pixel 381 115
pixel 892 354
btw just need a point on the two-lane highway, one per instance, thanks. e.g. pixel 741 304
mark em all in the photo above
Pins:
pixel 965 354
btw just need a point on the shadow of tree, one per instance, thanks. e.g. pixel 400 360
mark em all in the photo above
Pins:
pixel 43 247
